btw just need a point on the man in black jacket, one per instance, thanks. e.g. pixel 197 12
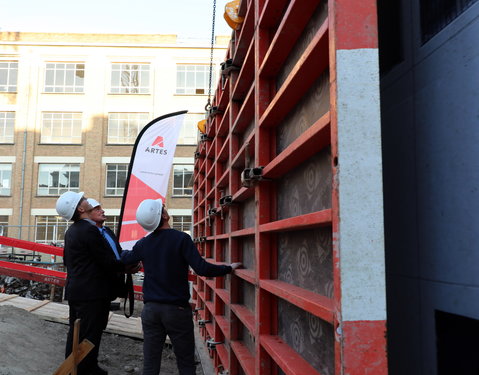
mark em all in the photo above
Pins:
pixel 167 254
pixel 92 277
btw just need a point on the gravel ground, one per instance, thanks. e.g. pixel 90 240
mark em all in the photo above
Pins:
pixel 32 346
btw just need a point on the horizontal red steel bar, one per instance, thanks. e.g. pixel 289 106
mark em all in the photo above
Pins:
pixel 245 37
pixel 244 356
pixel 246 76
pixel 243 194
pixel 292 25
pixel 238 159
pixel 224 295
pixel 245 115
pixel 271 14
pixel 312 64
pixel 223 181
pixel 223 324
pixel 304 147
pixel 319 218
pixel 247 275
pixel 287 358
pixel 316 304
pixel 243 232
pixel 33 246
pixel 39 274
pixel 246 316
pixel 223 356
pixel 224 98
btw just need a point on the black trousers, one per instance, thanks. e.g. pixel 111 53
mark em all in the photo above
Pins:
pixel 159 320
pixel 93 317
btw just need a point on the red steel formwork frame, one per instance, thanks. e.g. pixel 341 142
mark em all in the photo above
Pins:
pixel 255 95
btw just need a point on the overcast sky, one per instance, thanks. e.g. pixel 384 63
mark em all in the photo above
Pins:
pixel 186 18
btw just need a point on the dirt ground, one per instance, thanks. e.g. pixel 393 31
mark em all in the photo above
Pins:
pixel 32 346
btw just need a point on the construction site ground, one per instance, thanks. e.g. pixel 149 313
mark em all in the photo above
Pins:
pixel 31 345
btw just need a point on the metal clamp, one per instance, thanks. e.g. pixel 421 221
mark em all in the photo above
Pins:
pixel 227 200
pixel 213 211
pixel 211 344
pixel 227 67
pixel 204 138
pixel 250 175
pixel 202 323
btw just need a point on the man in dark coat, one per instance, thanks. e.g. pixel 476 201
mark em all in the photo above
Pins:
pixel 92 277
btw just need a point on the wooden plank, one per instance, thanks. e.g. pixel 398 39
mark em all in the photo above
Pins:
pixel 37 306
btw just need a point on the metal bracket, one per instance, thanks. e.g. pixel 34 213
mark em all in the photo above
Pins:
pixel 249 175
pixel 226 200
pixel 204 138
pixel 214 111
pixel 213 211
pixel 202 323
pixel 211 344
pixel 227 67
pixel 197 155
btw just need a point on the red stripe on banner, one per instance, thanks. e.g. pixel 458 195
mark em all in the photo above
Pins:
pixel 366 341
pixel 356 24
pixel 137 192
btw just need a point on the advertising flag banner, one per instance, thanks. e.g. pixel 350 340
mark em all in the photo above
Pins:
pixel 149 172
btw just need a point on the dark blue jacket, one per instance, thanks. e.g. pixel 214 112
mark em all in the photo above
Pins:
pixel 166 255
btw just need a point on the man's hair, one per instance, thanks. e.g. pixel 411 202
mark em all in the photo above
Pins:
pixel 76 214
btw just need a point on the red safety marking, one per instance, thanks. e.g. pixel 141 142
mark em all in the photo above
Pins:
pixel 365 343
pixel 33 246
pixel 356 24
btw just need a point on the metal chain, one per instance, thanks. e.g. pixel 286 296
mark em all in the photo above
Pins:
pixel 208 104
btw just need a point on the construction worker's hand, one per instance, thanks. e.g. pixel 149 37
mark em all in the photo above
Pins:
pixel 133 268
pixel 235 265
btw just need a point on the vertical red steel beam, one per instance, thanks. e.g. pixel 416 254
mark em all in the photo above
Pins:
pixel 358 239
pixel 265 312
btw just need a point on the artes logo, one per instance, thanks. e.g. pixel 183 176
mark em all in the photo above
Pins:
pixel 158 142
pixel 157 147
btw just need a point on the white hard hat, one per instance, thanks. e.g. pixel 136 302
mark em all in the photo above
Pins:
pixel 67 204
pixel 93 202
pixel 148 214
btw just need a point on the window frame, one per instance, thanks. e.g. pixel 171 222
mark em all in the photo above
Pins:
pixel 8 86
pixel 130 120
pixel 70 168
pixel 2 171
pixel 53 225
pixel 174 224
pixel 117 191
pixel 144 88
pixel 181 193
pixel 62 71
pixel 184 89
pixel 75 120
pixel 4 127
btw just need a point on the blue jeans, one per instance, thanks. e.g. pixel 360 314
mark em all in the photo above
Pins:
pixel 159 320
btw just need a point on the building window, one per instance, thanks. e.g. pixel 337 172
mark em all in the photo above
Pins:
pixel 182 223
pixel 5 179
pixel 3 226
pixel 112 223
pixel 189 130
pixel 50 229
pixel 130 78
pixel 193 79
pixel 55 179
pixel 7 127
pixel 8 76
pixel 123 128
pixel 116 178
pixel 63 128
pixel 437 14
pixel 182 180
pixel 64 77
